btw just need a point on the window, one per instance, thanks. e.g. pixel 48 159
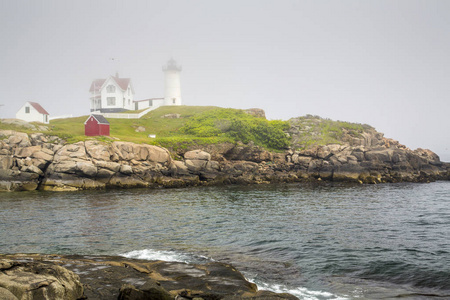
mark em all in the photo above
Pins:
pixel 27 110
pixel 111 101
pixel 173 100
pixel 128 91
pixel 45 118
pixel 129 101
pixel 111 89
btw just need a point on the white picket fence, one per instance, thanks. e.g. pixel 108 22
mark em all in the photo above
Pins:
pixel 60 117
pixel 126 116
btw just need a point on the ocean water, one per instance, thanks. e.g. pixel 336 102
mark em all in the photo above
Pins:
pixel 316 241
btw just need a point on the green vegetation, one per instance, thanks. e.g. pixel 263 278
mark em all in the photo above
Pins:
pixel 237 125
pixel 181 127
pixel 314 130
pixel 196 125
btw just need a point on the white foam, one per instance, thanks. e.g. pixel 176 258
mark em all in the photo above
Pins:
pixel 300 292
pixel 150 254
pixel 172 256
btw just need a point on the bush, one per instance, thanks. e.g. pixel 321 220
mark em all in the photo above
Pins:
pixel 239 126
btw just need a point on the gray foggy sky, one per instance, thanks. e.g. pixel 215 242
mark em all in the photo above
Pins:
pixel 384 63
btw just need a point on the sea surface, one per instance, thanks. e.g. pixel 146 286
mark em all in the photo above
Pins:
pixel 316 241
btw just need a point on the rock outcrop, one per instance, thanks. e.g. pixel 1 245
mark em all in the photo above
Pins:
pixel 34 276
pixel 37 280
pixel 38 161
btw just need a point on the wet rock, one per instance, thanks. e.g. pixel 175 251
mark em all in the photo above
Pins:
pixel 36 280
pixel 111 277
pixel 150 290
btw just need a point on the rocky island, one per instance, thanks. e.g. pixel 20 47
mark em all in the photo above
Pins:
pixel 41 161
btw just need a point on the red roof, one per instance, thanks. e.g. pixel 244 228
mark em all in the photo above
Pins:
pixel 122 82
pixel 39 108
pixel 96 85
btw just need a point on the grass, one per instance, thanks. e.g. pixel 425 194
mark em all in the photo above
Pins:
pixel 314 130
pixel 72 129
pixel 203 125
pixel 197 125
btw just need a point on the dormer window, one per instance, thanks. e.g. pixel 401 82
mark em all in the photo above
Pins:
pixel 111 88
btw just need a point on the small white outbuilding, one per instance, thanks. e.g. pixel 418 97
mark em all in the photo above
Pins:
pixel 33 112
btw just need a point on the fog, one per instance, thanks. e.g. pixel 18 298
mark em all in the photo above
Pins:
pixel 384 63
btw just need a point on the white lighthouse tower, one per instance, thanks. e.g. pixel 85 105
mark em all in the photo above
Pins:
pixel 172 95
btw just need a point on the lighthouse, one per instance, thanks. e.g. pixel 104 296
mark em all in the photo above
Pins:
pixel 172 93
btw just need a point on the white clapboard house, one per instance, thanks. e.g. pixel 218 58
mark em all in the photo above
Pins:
pixel 33 112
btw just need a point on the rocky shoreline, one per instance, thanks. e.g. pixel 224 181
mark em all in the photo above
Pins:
pixel 72 277
pixel 41 162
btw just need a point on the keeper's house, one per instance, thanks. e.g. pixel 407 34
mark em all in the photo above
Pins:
pixel 96 125
pixel 32 112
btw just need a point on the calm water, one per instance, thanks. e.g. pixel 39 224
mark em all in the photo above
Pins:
pixel 323 241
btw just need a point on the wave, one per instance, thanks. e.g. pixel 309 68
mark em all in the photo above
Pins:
pixel 175 256
pixel 172 256
pixel 300 292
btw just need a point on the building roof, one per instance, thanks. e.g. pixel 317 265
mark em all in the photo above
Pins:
pixel 122 82
pixel 39 108
pixel 96 85
pixel 100 119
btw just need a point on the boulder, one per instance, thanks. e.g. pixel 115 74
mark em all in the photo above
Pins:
pixel 24 152
pixel 44 154
pixel 71 151
pixel 171 116
pixel 112 166
pixel 36 280
pixel 180 168
pixel 249 153
pixel 32 169
pixel 140 129
pixel 349 173
pixel 97 150
pixel 158 154
pixel 6 162
pixel 65 166
pixel 150 290
pixel 379 155
pixel 126 169
pixel 257 112
pixel 427 154
pixel 7 295
pixel 19 139
pixel 195 165
pixel 197 155
pixel 87 169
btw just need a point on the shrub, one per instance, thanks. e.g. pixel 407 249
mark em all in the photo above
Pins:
pixel 239 126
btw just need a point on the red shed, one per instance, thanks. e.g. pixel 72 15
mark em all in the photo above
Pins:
pixel 96 125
